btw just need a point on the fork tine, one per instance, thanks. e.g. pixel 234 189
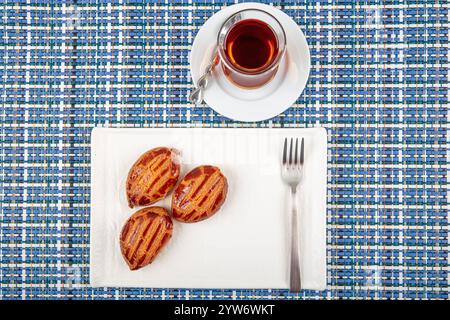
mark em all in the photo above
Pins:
pixel 302 151
pixel 290 151
pixel 285 151
pixel 296 152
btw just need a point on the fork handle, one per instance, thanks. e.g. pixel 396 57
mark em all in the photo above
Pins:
pixel 294 277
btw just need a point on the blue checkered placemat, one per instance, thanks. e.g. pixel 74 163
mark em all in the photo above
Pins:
pixel 379 84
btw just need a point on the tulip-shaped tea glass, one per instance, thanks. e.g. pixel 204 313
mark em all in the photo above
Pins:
pixel 251 45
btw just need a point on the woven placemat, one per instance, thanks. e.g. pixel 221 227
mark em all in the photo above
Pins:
pixel 379 84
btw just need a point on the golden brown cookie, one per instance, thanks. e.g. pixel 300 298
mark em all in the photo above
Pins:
pixel 152 176
pixel 200 194
pixel 144 235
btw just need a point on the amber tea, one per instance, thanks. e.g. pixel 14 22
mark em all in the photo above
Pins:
pixel 251 45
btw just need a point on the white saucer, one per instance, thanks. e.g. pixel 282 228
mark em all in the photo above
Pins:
pixel 252 104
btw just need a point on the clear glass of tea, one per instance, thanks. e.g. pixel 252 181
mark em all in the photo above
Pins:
pixel 251 44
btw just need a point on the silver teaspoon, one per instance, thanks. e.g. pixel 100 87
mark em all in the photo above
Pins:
pixel 196 95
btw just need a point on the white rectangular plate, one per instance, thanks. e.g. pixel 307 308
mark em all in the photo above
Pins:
pixel 245 244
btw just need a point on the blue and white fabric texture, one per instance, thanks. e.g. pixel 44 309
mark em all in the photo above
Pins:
pixel 379 84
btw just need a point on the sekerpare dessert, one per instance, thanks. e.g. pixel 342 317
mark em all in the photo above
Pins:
pixel 152 177
pixel 200 194
pixel 144 235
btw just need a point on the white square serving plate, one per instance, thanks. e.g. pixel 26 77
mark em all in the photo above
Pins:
pixel 246 243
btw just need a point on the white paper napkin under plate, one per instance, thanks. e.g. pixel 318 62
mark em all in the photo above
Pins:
pixel 245 244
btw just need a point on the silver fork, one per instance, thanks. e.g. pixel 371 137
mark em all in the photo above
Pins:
pixel 291 172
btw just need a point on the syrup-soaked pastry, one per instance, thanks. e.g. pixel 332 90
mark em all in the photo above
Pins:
pixel 152 176
pixel 199 195
pixel 144 235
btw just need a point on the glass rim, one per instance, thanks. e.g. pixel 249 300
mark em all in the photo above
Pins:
pixel 228 25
